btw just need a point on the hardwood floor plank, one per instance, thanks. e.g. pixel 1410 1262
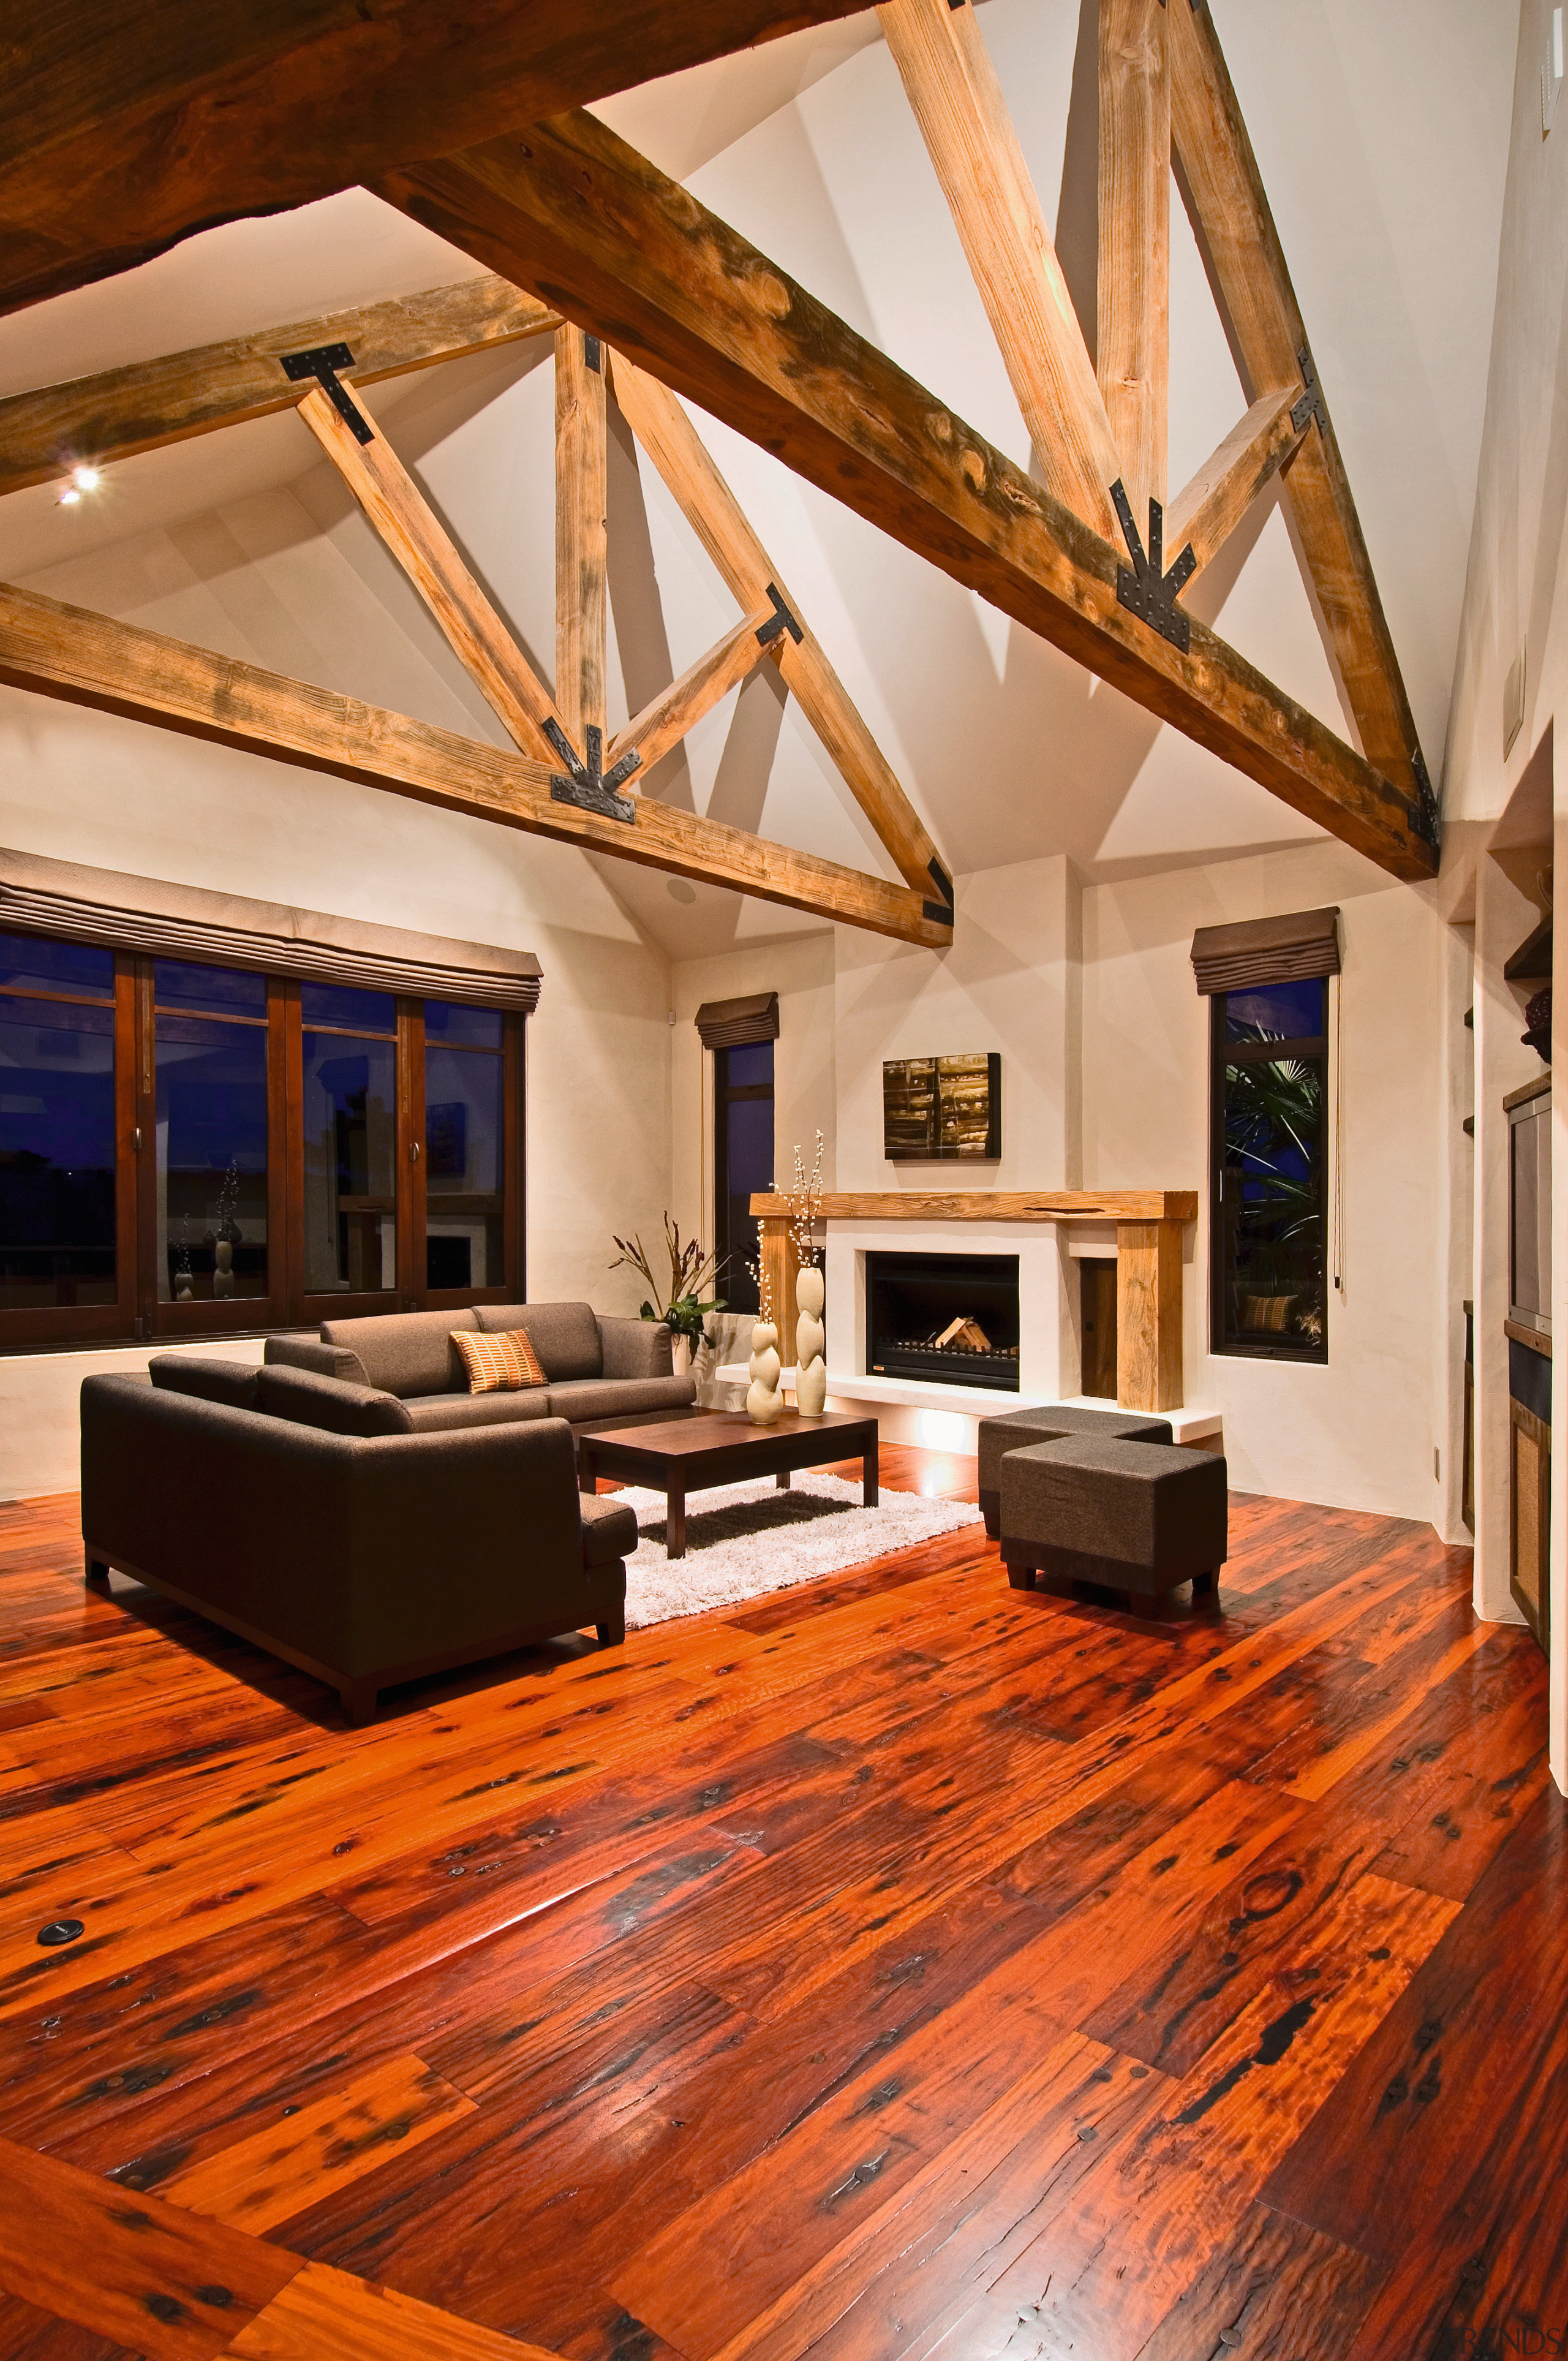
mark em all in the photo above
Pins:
pixel 1275 2287
pixel 1147 2225
pixel 988 2193
pixel 295 2162
pixel 168 2284
pixel 28 2334
pixel 1449 2103
pixel 323 2312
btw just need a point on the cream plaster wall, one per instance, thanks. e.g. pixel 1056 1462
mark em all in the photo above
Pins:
pixel 1517 594
pixel 264 582
pixel 1360 1431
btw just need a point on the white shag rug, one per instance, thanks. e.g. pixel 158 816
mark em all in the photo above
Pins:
pixel 745 1539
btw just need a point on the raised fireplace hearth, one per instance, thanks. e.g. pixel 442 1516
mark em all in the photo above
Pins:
pixel 948 1320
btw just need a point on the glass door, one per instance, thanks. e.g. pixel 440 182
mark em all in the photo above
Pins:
pixel 354 1214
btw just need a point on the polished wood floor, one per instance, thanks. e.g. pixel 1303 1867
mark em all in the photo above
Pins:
pixel 905 1967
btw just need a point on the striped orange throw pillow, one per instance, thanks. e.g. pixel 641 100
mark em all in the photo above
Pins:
pixel 502 1363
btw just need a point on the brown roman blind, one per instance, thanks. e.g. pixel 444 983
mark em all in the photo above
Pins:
pixel 731 1024
pixel 1291 950
pixel 59 898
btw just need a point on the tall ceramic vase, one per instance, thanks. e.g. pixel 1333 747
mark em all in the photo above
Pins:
pixel 810 1343
pixel 764 1402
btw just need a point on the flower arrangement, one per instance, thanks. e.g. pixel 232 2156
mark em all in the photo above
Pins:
pixel 803 1200
pixel 690 1272
pixel 763 1280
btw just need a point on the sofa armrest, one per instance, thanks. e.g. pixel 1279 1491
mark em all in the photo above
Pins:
pixel 636 1348
pixel 321 1360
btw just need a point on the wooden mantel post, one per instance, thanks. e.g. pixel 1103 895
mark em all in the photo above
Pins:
pixel 1148 1315
pixel 777 1258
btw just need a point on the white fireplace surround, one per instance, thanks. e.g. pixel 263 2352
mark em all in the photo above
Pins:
pixel 1049 1345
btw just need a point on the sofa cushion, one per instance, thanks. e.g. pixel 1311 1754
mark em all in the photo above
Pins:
pixel 232 1382
pixel 326 1402
pixel 444 1413
pixel 310 1353
pixel 609 1530
pixel 500 1364
pixel 564 1335
pixel 620 1398
pixel 406 1353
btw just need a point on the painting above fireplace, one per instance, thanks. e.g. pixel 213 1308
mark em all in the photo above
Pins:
pixel 936 1109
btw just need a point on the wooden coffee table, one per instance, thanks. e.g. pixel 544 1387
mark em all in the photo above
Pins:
pixel 678 1456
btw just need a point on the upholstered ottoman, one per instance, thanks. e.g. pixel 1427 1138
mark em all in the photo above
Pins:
pixel 1020 1428
pixel 1135 1517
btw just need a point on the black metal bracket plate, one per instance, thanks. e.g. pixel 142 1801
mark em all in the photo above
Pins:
pixel 1148 591
pixel 589 785
pixel 591 353
pixel 940 878
pixel 941 913
pixel 1428 822
pixel 1311 405
pixel 323 362
pixel 779 620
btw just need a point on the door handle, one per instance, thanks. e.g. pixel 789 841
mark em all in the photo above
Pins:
pixel 414 1151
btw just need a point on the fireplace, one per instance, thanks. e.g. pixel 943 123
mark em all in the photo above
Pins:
pixel 951 1320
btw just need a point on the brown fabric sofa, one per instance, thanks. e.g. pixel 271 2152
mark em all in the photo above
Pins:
pixel 599 1371
pixel 315 1519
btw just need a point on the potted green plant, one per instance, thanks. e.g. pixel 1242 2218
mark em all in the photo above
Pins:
pixel 690 1272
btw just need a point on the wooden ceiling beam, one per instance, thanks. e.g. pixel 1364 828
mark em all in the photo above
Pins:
pixel 665 719
pixel 151 403
pixel 1205 513
pixel 86 659
pixel 405 521
pixel 952 87
pixel 582 461
pixel 1222 190
pixel 129 123
pixel 710 507
pixel 1133 307
pixel 605 239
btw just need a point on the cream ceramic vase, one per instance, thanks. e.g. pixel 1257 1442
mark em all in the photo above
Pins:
pixel 764 1402
pixel 810 1343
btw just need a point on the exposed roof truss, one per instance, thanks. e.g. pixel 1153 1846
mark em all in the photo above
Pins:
pixel 1095 556
pixel 565 780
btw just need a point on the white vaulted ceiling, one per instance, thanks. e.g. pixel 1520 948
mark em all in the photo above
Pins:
pixel 1381 129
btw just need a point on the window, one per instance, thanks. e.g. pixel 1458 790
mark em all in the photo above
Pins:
pixel 188 1148
pixel 1269 1171
pixel 742 1163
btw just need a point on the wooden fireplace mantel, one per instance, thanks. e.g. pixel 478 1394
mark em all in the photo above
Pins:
pixel 1149 1224
pixel 994 1205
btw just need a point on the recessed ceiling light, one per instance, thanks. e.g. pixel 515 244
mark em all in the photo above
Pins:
pixel 69 496
pixel 85 479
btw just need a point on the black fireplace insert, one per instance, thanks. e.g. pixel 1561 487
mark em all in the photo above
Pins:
pixel 951 1320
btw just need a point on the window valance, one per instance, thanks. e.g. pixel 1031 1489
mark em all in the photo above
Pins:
pixel 59 898
pixel 1295 949
pixel 732 1024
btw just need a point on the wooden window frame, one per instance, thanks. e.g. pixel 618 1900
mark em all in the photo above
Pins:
pixel 138 1315
pixel 1221 1053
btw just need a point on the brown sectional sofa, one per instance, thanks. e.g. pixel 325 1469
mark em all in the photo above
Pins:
pixel 600 1371
pixel 315 1519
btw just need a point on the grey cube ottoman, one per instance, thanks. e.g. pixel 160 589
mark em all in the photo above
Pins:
pixel 1135 1517
pixel 1019 1428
